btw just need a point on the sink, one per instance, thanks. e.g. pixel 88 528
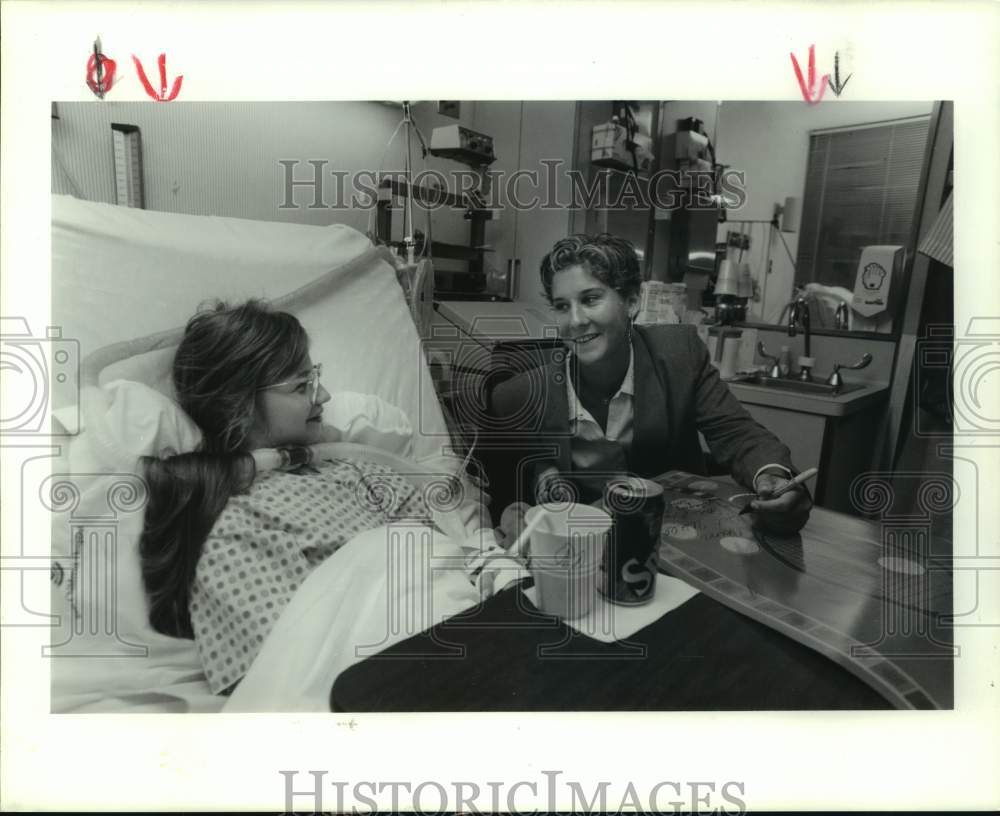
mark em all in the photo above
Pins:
pixel 796 386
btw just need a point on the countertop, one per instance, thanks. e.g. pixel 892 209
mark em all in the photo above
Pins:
pixel 832 405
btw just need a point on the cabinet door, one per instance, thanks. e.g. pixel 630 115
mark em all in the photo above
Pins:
pixel 802 433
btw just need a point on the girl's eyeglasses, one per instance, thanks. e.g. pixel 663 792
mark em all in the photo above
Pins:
pixel 311 383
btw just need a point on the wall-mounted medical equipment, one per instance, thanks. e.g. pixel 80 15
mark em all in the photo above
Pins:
pixel 695 155
pixel 127 151
pixel 611 145
pixel 461 144
pixel 620 144
pixel 733 287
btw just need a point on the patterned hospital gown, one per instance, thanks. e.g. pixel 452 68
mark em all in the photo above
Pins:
pixel 267 541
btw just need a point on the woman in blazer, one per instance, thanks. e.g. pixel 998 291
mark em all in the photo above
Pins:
pixel 625 398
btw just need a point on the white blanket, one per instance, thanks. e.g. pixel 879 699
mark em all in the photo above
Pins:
pixel 381 588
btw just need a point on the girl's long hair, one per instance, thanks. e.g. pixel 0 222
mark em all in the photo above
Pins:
pixel 226 355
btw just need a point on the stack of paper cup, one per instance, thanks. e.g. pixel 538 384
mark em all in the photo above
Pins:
pixel 744 280
pixel 728 281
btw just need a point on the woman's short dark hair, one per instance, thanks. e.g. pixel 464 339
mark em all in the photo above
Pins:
pixel 610 259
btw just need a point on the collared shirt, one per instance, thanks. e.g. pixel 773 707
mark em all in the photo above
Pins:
pixel 621 410
pixel 598 454
pixel 589 448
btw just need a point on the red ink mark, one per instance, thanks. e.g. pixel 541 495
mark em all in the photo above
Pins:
pixel 162 95
pixel 100 74
pixel 809 91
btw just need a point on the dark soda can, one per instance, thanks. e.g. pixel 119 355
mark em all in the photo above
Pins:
pixel 629 566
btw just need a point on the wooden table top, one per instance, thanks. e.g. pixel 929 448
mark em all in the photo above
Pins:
pixel 874 601
pixel 775 611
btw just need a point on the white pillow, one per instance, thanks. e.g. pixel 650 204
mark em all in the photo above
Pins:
pixel 124 420
pixel 369 420
pixel 145 422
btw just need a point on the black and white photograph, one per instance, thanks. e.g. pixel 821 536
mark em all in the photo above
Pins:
pixel 513 415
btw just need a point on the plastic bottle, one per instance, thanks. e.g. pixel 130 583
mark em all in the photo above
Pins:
pixel 785 361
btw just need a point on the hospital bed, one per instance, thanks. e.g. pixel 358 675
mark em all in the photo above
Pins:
pixel 124 282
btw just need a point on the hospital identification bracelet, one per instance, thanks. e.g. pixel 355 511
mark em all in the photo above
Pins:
pixel 288 458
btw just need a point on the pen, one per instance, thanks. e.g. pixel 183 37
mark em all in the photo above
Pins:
pixel 804 476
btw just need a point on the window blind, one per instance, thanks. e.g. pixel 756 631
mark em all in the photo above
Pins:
pixel 861 190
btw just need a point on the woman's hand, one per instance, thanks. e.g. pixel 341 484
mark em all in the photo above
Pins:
pixel 511 524
pixel 552 486
pixel 786 514
pixel 490 567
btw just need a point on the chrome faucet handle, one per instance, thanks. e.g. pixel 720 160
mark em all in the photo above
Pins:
pixel 774 370
pixel 837 381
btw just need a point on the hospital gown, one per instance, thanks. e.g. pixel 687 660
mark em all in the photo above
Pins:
pixel 267 541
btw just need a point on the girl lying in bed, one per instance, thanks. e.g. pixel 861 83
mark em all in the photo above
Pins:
pixel 224 546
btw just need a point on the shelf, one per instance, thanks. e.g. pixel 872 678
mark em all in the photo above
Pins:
pixel 473 158
pixel 457 252
pixel 471 253
pixel 425 195
pixel 478 297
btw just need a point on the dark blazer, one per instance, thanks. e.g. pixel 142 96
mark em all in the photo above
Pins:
pixel 677 394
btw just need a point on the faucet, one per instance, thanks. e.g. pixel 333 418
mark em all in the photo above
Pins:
pixel 840 319
pixel 799 314
pixel 774 371
pixel 837 381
